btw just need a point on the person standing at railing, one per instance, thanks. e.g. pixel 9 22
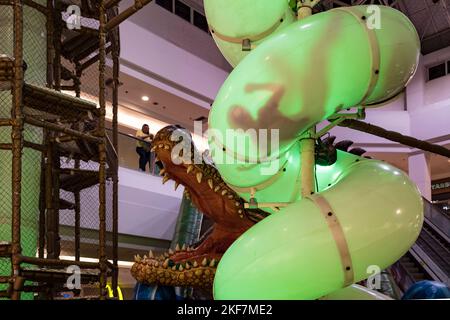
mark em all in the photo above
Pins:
pixel 143 146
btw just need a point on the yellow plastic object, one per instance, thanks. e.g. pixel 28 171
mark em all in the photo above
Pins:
pixel 296 252
pixel 233 21
pixel 111 292
pixel 356 292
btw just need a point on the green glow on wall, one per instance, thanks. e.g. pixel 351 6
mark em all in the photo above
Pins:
pixel 35 48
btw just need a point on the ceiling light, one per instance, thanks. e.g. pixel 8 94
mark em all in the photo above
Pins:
pixel 145 98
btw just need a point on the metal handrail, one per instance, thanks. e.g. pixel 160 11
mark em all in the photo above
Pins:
pixel 154 170
pixel 129 136
pixel 439 219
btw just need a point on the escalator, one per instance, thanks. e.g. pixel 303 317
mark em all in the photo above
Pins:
pixel 429 258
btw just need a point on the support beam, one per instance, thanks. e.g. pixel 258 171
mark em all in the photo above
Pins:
pixel 102 152
pixel 17 145
pixel 138 5
pixel 307 141
pixel 58 128
pixel 395 136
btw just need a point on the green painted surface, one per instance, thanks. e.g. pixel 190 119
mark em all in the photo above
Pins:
pixel 35 57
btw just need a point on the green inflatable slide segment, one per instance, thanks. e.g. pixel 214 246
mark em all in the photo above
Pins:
pixel 232 22
pixel 293 254
pixel 309 71
pixel 366 213
pixel 35 52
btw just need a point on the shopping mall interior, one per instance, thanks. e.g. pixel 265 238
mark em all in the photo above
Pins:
pixel 340 110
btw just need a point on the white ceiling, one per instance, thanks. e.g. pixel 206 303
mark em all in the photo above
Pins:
pixel 163 105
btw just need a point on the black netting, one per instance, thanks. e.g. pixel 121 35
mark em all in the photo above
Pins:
pixel 75 167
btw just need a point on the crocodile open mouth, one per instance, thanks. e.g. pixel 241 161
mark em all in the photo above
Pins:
pixel 195 266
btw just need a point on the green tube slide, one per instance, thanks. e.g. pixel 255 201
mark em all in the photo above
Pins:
pixel 296 253
pixel 365 212
pixel 35 51
pixel 231 22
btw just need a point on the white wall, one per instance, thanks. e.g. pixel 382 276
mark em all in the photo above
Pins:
pixel 155 60
pixel 177 31
pixel 427 114
pixel 146 207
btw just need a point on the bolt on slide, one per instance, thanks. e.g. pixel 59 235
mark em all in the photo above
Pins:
pixel 291 75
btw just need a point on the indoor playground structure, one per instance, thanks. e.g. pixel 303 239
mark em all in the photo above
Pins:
pixel 296 215
pixel 54 151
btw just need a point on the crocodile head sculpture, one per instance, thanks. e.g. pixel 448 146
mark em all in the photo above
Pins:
pixel 195 266
pixel 182 162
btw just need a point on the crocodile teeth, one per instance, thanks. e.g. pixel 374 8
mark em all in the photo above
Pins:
pixel 230 196
pixel 170 251
pixel 204 262
pixel 189 168
pixel 160 145
pixel 153 149
pixel 145 257
pixel 195 264
pixel 180 268
pixel 187 266
pixel 210 183
pixel 183 247
pixel 216 188
pixel 165 179
pixel 150 254
pixel 224 192
pixel 177 248
pixel 212 263
pixel 199 177
pixel 156 264
pixel 239 211
pixel 166 254
pixel 174 268
pixel 166 147
pixel 237 204
pixel 166 264
pixel 156 158
pixel 162 172
pixel 177 184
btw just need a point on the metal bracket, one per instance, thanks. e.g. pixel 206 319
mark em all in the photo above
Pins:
pixel 246 45
pixel 337 118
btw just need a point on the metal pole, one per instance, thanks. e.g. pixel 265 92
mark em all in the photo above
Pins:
pixel 102 151
pixel 17 138
pixel 115 105
pixel 77 196
pixel 58 25
pixel 307 142
pixel 138 5
pixel 49 199
pixel 50 45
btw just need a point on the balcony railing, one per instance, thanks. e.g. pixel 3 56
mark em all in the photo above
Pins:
pixel 128 157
